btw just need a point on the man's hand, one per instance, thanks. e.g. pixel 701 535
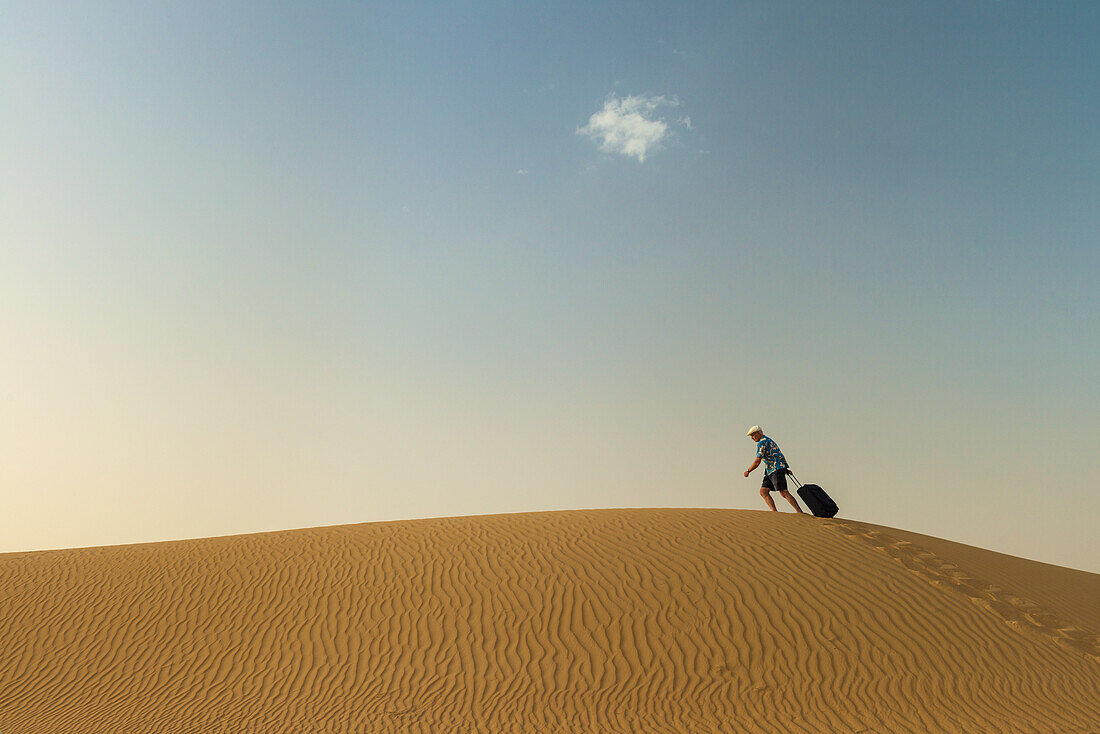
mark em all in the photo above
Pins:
pixel 755 464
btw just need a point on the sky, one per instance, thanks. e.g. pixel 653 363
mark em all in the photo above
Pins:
pixel 274 265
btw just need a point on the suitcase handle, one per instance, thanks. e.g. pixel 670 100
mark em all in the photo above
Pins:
pixel 794 478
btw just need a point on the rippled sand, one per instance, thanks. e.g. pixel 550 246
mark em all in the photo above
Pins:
pixel 589 621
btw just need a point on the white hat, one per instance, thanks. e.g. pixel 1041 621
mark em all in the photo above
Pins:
pixel 755 429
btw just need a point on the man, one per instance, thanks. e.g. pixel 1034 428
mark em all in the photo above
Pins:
pixel 775 469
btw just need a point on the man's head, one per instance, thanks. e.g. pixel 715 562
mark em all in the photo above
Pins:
pixel 755 433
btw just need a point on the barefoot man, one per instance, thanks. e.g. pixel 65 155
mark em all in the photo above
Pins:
pixel 775 469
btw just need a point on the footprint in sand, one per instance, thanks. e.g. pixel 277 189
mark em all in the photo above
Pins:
pixel 1017 612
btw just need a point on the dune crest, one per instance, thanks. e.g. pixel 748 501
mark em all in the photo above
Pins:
pixel 662 620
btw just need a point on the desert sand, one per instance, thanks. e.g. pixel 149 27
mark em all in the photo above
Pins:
pixel 664 620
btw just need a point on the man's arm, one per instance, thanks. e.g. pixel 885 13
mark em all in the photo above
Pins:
pixel 754 465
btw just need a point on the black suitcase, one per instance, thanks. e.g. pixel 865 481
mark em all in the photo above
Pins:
pixel 817 499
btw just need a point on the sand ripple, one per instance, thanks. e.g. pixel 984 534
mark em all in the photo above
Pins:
pixel 593 621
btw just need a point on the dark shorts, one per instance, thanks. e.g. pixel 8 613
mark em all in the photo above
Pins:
pixel 776 481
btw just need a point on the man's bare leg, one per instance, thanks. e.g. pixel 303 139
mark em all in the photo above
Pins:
pixel 790 498
pixel 768 498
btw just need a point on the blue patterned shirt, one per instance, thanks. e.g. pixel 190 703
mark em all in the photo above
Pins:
pixel 769 451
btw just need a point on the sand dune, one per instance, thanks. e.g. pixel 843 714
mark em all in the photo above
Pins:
pixel 593 621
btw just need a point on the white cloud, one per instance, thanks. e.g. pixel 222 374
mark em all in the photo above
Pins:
pixel 631 126
pixel 521 172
